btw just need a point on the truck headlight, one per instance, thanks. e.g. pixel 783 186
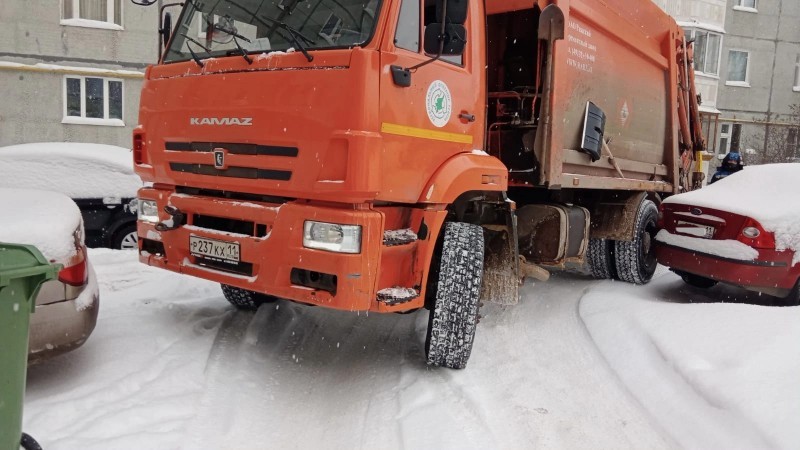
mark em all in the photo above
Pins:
pixel 332 237
pixel 147 211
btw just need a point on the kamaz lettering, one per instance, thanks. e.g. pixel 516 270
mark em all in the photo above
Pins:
pixel 243 121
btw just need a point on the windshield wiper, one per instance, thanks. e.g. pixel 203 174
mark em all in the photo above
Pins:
pixel 293 33
pixel 194 55
pixel 235 35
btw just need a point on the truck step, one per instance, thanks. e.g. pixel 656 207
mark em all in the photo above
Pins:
pixel 393 238
pixel 397 295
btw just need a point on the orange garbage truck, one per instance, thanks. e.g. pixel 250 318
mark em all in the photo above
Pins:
pixel 399 155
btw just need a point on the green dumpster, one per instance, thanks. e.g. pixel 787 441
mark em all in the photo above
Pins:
pixel 22 270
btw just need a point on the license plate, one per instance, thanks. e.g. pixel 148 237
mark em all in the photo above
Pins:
pixel 214 249
pixel 695 229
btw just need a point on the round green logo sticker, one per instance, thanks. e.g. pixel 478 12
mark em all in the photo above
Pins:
pixel 439 103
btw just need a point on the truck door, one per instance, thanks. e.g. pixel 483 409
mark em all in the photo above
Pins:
pixel 441 113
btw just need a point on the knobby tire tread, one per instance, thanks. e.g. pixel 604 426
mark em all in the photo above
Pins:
pixel 630 264
pixel 451 328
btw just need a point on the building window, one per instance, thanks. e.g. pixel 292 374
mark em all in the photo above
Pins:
pixel 738 70
pixel 797 74
pixel 92 13
pixel 407 35
pixel 92 101
pixel 429 17
pixel 706 50
pixel 724 138
pixel 730 136
pixel 746 5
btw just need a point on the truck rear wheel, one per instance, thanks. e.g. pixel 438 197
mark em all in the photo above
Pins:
pixel 636 260
pixel 244 299
pixel 601 259
pixel 454 313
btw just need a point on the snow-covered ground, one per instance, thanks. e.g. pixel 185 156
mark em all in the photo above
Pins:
pixel 578 364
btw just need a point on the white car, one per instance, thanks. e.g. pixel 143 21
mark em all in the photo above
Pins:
pixel 66 308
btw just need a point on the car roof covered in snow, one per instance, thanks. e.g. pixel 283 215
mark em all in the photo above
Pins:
pixel 768 193
pixel 76 170
pixel 41 218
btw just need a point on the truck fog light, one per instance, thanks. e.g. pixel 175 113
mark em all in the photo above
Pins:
pixel 147 211
pixel 332 237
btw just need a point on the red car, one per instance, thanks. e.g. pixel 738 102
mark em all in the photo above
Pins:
pixel 743 230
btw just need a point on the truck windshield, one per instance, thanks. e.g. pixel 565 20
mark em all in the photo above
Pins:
pixel 270 25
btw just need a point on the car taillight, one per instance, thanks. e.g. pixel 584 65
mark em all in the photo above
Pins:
pixel 754 235
pixel 138 147
pixel 75 273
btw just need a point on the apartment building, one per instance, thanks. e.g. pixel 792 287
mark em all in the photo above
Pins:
pixel 71 70
pixel 760 82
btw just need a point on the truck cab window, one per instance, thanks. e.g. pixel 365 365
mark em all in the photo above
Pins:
pixel 407 35
pixel 430 17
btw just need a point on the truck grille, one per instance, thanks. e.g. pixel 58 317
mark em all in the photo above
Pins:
pixel 233 148
pixel 233 172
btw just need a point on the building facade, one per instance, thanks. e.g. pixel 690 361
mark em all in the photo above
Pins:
pixel 760 81
pixel 71 70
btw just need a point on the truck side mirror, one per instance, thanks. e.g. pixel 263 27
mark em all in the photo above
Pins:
pixel 594 124
pixel 166 29
pixel 456 11
pixel 451 42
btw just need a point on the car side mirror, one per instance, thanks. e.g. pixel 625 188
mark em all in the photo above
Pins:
pixel 451 42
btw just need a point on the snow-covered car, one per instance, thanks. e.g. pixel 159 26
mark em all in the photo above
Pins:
pixel 66 308
pixel 98 177
pixel 743 230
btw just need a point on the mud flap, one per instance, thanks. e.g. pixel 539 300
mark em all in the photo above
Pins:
pixel 501 278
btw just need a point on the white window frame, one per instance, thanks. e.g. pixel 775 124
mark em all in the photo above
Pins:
pixel 722 135
pixel 740 7
pixel 746 82
pixel 83 120
pixel 694 31
pixel 796 86
pixel 108 24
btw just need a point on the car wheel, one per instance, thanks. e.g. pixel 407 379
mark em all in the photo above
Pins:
pixel 600 254
pixel 244 299
pixel 636 260
pixel 696 280
pixel 454 313
pixel 126 238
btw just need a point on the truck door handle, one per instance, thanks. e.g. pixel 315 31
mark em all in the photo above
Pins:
pixel 467 117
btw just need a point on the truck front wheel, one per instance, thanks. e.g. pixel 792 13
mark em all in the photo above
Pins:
pixel 244 299
pixel 457 290
pixel 635 260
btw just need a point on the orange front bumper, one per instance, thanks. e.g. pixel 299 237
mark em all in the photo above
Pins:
pixel 269 259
